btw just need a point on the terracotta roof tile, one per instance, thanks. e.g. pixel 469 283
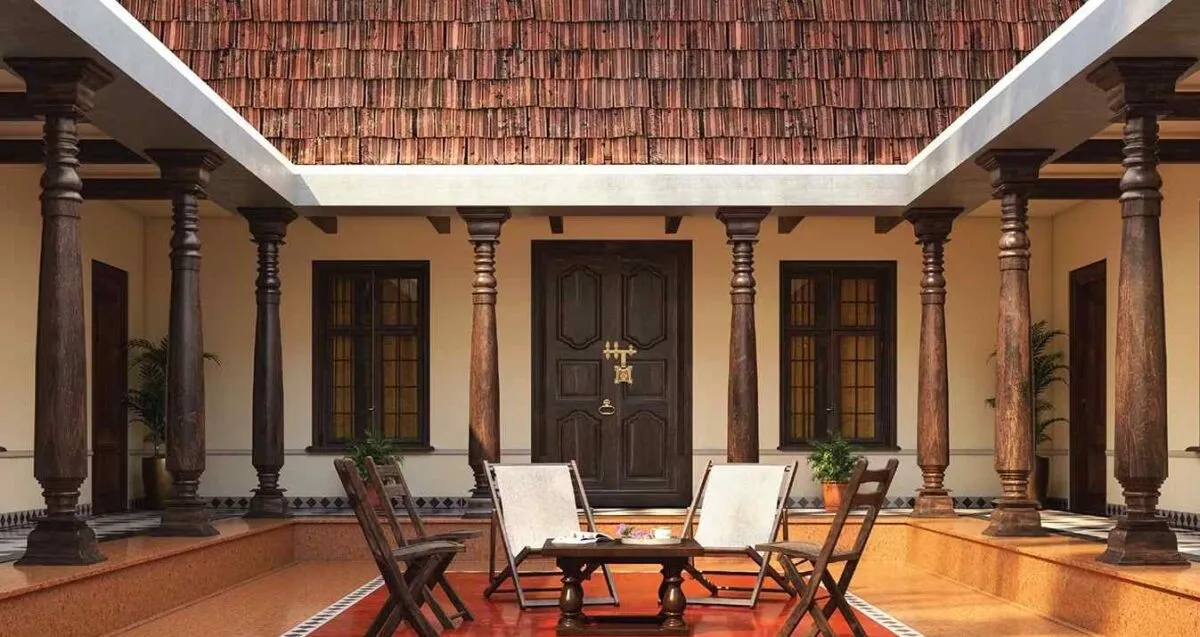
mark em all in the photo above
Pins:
pixel 601 81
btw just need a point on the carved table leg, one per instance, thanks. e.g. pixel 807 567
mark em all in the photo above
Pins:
pixel 673 600
pixel 570 600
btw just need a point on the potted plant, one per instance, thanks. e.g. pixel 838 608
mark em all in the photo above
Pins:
pixel 832 463
pixel 148 404
pixel 378 449
pixel 1047 370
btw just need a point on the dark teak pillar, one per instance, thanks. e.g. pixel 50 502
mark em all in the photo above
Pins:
pixel 268 227
pixel 62 90
pixel 932 228
pixel 742 226
pixel 1013 174
pixel 185 514
pixel 483 228
pixel 1138 90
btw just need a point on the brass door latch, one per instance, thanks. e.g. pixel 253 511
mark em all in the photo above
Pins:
pixel 622 371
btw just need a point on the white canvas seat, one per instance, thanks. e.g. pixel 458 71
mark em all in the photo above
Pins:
pixel 740 506
pixel 531 504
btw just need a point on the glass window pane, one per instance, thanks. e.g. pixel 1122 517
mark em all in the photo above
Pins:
pixel 856 390
pixel 803 408
pixel 342 377
pixel 856 302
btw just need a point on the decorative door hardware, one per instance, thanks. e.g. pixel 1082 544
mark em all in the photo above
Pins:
pixel 622 372
pixel 607 408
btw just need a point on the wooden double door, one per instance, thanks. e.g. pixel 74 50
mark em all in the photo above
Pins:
pixel 627 423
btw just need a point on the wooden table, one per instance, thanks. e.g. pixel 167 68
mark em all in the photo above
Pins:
pixel 574 559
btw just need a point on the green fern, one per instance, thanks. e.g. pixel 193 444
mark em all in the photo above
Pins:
pixel 1047 370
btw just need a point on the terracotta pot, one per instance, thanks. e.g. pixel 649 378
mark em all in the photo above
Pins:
pixel 832 493
pixel 156 481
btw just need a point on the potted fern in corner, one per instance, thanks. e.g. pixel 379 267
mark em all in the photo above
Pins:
pixel 1048 368
pixel 832 464
pixel 148 405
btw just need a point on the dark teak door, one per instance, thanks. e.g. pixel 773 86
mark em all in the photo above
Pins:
pixel 110 429
pixel 631 440
pixel 1088 414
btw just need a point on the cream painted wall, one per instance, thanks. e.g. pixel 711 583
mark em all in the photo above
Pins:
pixel 228 280
pixel 1090 232
pixel 111 234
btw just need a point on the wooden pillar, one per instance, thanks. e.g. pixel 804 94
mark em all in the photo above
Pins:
pixel 1013 175
pixel 1138 90
pixel 187 172
pixel 932 228
pixel 741 227
pixel 62 90
pixel 268 227
pixel 483 229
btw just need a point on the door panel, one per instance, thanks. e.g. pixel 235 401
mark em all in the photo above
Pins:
pixel 632 441
pixel 1088 411
pixel 110 429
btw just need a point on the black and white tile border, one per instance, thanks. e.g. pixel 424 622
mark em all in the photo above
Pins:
pixel 308 626
pixel 879 617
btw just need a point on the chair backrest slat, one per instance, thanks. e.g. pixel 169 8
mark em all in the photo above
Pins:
pixel 854 498
pixel 368 522
pixel 387 479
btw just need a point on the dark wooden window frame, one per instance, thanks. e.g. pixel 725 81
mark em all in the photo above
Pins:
pixel 885 422
pixel 322 425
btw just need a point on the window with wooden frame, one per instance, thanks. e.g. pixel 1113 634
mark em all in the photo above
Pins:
pixel 838 358
pixel 370 352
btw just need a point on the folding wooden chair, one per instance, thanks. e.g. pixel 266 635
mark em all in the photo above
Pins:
pixel 422 562
pixel 796 554
pixel 388 481
pixel 741 505
pixel 531 504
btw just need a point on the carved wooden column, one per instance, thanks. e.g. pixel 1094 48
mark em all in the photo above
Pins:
pixel 741 226
pixel 269 227
pixel 1013 174
pixel 932 228
pixel 483 229
pixel 1138 90
pixel 62 90
pixel 185 514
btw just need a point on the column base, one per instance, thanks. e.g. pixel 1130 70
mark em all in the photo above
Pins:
pixel 933 503
pixel 479 505
pixel 61 542
pixel 1142 543
pixel 1015 518
pixel 268 506
pixel 185 519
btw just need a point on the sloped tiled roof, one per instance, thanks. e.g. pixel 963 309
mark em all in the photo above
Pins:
pixel 601 81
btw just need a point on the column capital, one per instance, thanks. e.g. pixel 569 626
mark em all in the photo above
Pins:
pixel 932 224
pixel 1013 169
pixel 484 222
pixel 61 86
pixel 742 223
pixel 268 223
pixel 1140 86
pixel 186 169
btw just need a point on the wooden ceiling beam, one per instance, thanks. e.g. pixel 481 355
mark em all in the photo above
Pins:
pixel 1110 151
pixel 328 225
pixel 126 190
pixel 788 224
pixel 1108 188
pixel 556 225
pixel 1185 107
pixel 884 225
pixel 14 107
pixel 440 224
pixel 91 152
pixel 671 224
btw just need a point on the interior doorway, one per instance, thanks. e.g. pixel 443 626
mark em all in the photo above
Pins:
pixel 110 422
pixel 1088 388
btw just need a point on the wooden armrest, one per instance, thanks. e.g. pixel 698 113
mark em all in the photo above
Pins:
pixel 453 536
pixel 425 549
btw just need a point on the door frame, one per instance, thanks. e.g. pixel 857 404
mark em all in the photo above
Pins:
pixel 1090 273
pixel 540 250
pixel 95 402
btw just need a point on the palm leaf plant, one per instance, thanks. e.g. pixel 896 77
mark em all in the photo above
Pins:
pixel 1048 368
pixel 147 402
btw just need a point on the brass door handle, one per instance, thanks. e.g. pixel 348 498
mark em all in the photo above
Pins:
pixel 606 408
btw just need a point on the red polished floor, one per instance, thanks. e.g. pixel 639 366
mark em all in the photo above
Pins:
pixel 501 616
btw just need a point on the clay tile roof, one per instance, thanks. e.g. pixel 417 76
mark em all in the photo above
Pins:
pixel 601 81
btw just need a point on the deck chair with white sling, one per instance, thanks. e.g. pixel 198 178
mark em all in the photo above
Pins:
pixel 533 503
pixel 741 505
